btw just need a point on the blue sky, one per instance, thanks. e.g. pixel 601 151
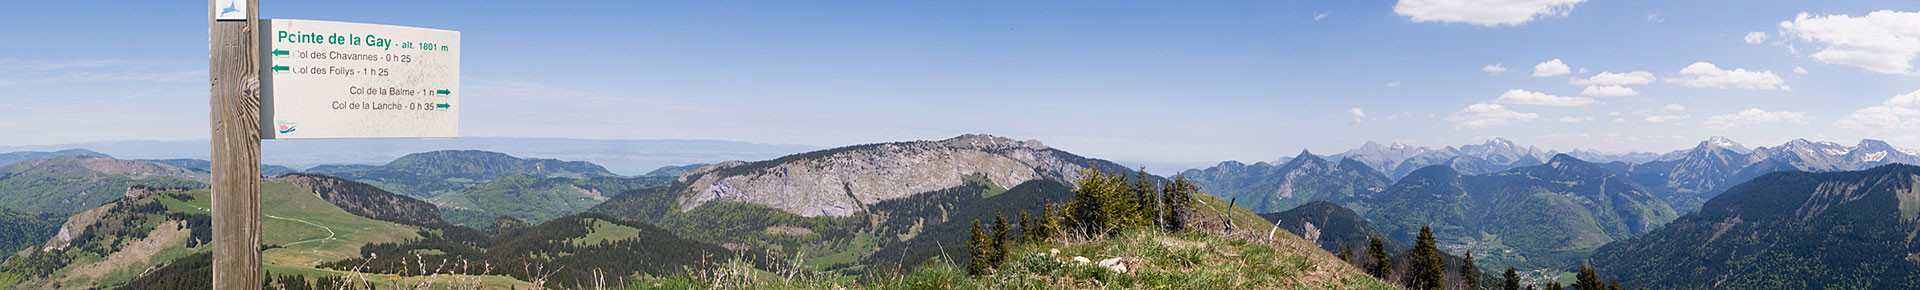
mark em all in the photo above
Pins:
pixel 1145 81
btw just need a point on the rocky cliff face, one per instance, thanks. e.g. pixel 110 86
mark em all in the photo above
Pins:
pixel 842 181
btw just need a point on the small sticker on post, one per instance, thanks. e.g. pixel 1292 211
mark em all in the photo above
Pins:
pixel 230 10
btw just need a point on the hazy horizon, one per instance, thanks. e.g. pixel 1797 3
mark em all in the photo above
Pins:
pixel 1141 81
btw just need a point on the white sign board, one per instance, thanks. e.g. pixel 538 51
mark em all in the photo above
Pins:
pixel 230 9
pixel 324 79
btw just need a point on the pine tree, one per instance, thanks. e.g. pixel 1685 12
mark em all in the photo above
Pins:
pixel 1047 226
pixel 1026 226
pixel 1146 212
pixel 1469 273
pixel 1000 239
pixel 1381 267
pixel 1178 196
pixel 1120 207
pixel 981 246
pixel 1613 285
pixel 1424 262
pixel 1346 254
pixel 1588 279
pixel 1097 203
pixel 1555 286
pixel 1513 280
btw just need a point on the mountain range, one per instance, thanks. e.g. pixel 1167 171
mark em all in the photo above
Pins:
pixel 1265 187
pixel 1545 216
pixel 865 209
pixel 1683 178
pixel 1786 230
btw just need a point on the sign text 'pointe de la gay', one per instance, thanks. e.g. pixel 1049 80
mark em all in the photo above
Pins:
pixel 324 79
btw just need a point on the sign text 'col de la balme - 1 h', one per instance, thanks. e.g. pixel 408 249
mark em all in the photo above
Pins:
pixel 324 79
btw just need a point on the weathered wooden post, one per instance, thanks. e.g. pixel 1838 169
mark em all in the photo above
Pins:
pixel 235 119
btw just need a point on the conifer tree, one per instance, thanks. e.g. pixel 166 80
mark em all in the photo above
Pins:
pixel 981 245
pixel 1047 226
pixel 1381 267
pixel 1346 254
pixel 1513 280
pixel 1428 272
pixel 1588 279
pixel 1120 206
pixel 1613 285
pixel 1554 286
pixel 1000 239
pixel 1178 198
pixel 1146 212
pixel 1469 273
pixel 1026 226
pixel 1083 212
pixel 1101 204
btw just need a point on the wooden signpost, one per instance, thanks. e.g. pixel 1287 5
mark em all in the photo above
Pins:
pixel 310 79
pixel 235 118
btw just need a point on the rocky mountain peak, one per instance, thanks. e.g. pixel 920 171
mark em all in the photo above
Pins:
pixel 1565 159
pixel 1373 146
pixel 1397 145
pixel 1569 164
pixel 843 181
pixel 1871 145
pixel 1305 158
pixel 989 142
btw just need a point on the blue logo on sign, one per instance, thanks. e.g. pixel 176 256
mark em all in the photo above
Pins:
pixel 286 129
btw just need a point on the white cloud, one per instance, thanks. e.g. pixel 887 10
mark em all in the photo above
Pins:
pixel 1613 78
pixel 1551 68
pixel 1675 108
pixel 1664 118
pixel 1799 70
pixel 1487 115
pixel 1898 114
pixel 1756 37
pixel 1358 115
pixel 1655 18
pixel 1609 91
pixel 1393 84
pixel 1494 69
pixel 1321 15
pixel 1705 75
pixel 1572 119
pixel 1883 41
pixel 1525 97
pixel 1754 116
pixel 1488 13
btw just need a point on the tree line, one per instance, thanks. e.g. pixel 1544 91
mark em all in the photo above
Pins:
pixel 1425 267
pixel 1103 204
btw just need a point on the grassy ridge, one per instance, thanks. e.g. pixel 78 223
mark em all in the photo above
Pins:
pixel 304 229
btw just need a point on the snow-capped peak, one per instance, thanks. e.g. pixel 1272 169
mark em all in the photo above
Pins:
pixel 1723 142
pixel 1875 156
pixel 1834 151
